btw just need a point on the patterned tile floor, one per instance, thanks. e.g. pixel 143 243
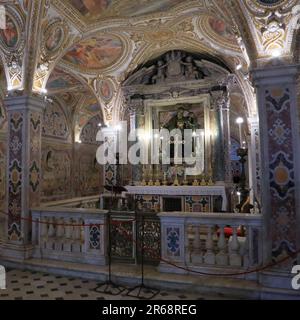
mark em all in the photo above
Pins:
pixel 30 285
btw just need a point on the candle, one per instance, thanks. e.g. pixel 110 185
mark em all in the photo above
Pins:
pixel 239 121
pixel 239 197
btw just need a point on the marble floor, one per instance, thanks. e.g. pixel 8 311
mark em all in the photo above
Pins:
pixel 31 285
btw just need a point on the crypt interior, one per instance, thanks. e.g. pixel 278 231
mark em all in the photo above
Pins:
pixel 228 70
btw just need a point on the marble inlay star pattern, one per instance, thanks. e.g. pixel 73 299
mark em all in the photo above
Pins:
pixel 279 132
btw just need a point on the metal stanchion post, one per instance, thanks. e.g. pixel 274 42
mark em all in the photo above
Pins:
pixel 142 291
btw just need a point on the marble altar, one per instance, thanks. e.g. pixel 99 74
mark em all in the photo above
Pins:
pixel 162 191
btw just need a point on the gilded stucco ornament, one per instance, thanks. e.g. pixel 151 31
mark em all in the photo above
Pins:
pixel 12 43
pixel 54 37
pixel 273 33
pixel 272 26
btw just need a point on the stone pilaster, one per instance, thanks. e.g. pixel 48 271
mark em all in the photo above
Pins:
pixel 254 161
pixel 110 169
pixel 25 118
pixel 280 169
pixel 227 139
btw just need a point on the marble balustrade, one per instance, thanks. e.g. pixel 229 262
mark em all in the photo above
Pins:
pixel 210 242
pixel 194 241
pixel 70 234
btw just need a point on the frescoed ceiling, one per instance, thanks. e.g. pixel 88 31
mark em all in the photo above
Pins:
pixel 95 53
pixel 61 81
pixel 89 47
pixel 94 9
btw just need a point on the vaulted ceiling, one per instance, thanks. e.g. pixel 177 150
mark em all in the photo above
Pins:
pixel 87 48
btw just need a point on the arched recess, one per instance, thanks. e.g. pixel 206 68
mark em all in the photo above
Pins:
pixel 201 84
pixel 67 164
pixel 89 174
pixel 56 124
pixel 56 152
pixel 150 53
pixel 63 81
pixel 239 79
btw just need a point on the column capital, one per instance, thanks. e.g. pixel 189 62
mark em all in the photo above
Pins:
pixel 25 102
pixel 253 121
pixel 220 99
pixel 274 75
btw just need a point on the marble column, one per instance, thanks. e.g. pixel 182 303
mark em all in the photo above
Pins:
pixel 280 167
pixel 25 121
pixel 222 141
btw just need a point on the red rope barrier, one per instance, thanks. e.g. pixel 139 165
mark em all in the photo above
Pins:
pixel 270 265
pixel 54 223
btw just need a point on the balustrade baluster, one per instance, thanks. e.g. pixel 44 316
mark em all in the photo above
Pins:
pixel 51 229
pixel 222 256
pixel 43 229
pixel 234 256
pixel 197 257
pixel 68 235
pixel 76 245
pixel 244 249
pixel 60 231
pixel 68 229
pixel 187 244
pixel 209 257
pixel 51 234
pixel 82 230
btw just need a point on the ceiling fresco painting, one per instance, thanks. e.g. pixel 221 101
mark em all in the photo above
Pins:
pixel 219 32
pixel 54 39
pixel 61 80
pixel 99 8
pixel 95 53
pixel 142 7
pixel 9 35
pixel 106 89
pixel 91 105
pixel 221 28
pixel 91 8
